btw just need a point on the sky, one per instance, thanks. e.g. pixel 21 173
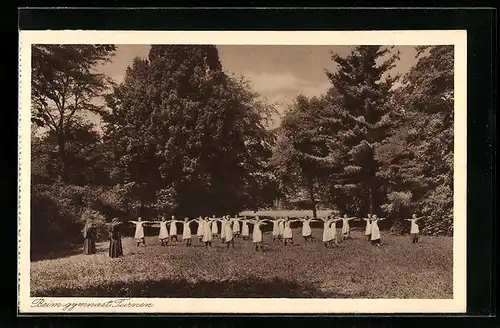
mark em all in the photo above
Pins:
pixel 278 73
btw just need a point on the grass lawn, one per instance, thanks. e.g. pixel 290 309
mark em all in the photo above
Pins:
pixel 354 269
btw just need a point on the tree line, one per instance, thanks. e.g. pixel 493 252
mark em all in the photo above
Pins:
pixel 181 136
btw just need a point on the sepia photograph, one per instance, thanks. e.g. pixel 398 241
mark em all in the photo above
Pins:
pixel 208 171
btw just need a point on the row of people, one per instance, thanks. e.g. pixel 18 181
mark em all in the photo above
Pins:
pixel 230 228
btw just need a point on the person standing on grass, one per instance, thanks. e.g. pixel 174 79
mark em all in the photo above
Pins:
pixel 306 229
pixel 163 235
pixel 215 228
pixel 281 226
pixel 346 230
pixel 245 231
pixel 139 231
pixel 200 232
pixel 414 230
pixel 207 235
pixel 276 228
pixel 375 235
pixel 227 232
pixel 327 233
pixel 287 231
pixel 115 239
pixel 368 228
pixel 257 233
pixel 89 236
pixel 333 230
pixel 173 228
pixel 186 231
pixel 236 226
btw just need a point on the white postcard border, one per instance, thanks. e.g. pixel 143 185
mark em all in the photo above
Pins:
pixel 28 304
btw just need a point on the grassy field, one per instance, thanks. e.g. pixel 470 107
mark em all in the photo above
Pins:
pixel 354 269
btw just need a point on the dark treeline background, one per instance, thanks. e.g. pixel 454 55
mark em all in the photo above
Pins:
pixel 182 137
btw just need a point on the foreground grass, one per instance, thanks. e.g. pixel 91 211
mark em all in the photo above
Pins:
pixel 354 269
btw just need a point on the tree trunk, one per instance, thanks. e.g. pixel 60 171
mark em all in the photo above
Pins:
pixel 311 196
pixel 370 199
pixel 61 141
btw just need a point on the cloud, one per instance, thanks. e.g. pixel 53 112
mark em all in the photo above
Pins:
pixel 284 87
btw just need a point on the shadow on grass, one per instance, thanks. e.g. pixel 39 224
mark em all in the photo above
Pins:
pixel 254 288
pixel 63 251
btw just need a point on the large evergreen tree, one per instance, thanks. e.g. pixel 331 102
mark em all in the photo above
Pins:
pixel 364 86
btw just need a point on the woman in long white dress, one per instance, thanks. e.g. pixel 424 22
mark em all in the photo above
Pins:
pixel 227 232
pixel 236 226
pixel 306 228
pixel 287 231
pixel 207 235
pixel 215 227
pixel 346 229
pixel 223 223
pixel 173 228
pixel 276 228
pixel 281 226
pixel 368 227
pixel 257 233
pixel 200 231
pixel 327 233
pixel 139 231
pixel 333 229
pixel 245 231
pixel 414 229
pixel 186 231
pixel 163 235
pixel 375 236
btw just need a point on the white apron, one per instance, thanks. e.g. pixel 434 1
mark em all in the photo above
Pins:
pixel 186 231
pixel 414 227
pixel 223 225
pixel 163 230
pixel 257 234
pixel 375 231
pixel 236 226
pixel 201 228
pixel 287 231
pixel 227 232
pixel 281 227
pixel 139 230
pixel 333 229
pixel 368 229
pixel 173 228
pixel 306 228
pixel 244 230
pixel 207 234
pixel 327 233
pixel 345 226
pixel 276 228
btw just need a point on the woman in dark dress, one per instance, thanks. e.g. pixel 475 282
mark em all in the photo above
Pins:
pixel 89 235
pixel 115 240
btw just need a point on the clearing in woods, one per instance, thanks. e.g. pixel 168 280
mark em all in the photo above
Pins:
pixel 354 269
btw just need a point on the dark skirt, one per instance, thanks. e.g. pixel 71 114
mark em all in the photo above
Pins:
pixel 89 246
pixel 115 248
pixel 376 242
